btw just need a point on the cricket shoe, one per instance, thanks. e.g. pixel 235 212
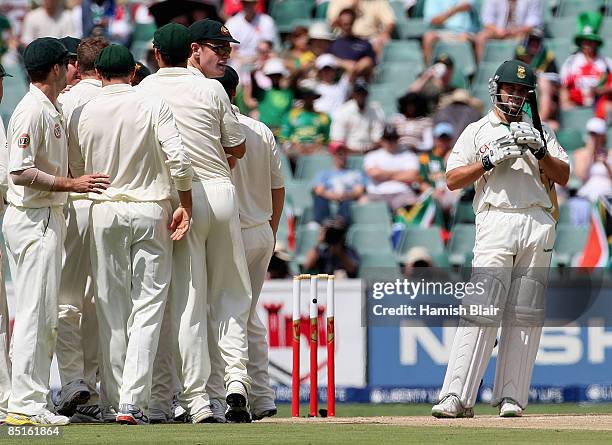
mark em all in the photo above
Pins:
pixel 510 408
pixel 87 414
pixel 108 414
pixel 218 407
pixel 131 415
pixel 180 414
pixel 237 401
pixel 450 407
pixel 205 415
pixel 157 416
pixel 266 408
pixel 72 395
pixel 45 418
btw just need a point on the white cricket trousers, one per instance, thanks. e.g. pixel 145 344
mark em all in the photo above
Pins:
pixel 258 246
pixel 131 258
pixel 34 240
pixel 5 362
pixel 77 333
pixel 509 242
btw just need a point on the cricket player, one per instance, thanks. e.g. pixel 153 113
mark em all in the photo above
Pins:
pixel 132 225
pixel 260 187
pixel 34 228
pixel 77 337
pixel 514 171
pixel 209 265
pixel 5 362
pixel 72 75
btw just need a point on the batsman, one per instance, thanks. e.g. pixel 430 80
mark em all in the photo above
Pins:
pixel 514 164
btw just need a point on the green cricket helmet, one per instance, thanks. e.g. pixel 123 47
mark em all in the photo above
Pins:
pixel 513 72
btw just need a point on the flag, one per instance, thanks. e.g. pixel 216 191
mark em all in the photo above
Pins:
pixel 423 213
pixel 596 249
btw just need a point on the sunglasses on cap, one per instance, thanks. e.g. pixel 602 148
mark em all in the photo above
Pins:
pixel 220 50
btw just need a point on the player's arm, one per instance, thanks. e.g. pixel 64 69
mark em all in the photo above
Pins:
pixel 278 201
pixel 555 169
pixel 233 139
pixel 277 181
pixel 465 176
pixel 237 152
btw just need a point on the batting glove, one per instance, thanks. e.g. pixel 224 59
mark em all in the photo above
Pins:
pixel 500 150
pixel 525 134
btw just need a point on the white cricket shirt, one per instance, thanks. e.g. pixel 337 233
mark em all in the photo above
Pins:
pixel 36 138
pixel 204 117
pixel 514 184
pixel 136 143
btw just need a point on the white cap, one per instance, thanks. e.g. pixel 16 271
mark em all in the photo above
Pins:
pixel 596 125
pixel 321 31
pixel 325 60
pixel 275 66
pixel 418 253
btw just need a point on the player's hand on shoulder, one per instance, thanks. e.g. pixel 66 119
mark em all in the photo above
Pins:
pixel 94 183
pixel 500 150
pixel 181 218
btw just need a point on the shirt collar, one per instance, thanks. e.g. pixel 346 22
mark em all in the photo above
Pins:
pixel 173 71
pixel 117 88
pixel 194 70
pixel 236 109
pixel 53 108
pixel 94 82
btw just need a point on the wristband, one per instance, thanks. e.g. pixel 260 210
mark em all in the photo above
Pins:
pixel 486 163
pixel 540 153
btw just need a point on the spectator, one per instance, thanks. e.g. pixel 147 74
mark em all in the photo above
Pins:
pixel 354 54
pixel 231 7
pixel 275 102
pixel 412 123
pixel 392 172
pixel 375 19
pixel 417 256
pixel 455 20
pixel 357 123
pixel 458 109
pixel 250 28
pixel 583 71
pixel 332 92
pixel 436 80
pixel 331 254
pixel 341 185
pixel 141 72
pixel 321 38
pixel 8 42
pixel 48 20
pixel 596 147
pixel 255 79
pixel 106 18
pixel 433 166
pixel 533 52
pixel 579 207
pixel 304 130
pixel 299 57
pixel 507 19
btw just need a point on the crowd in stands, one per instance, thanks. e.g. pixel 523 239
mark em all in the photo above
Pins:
pixel 331 83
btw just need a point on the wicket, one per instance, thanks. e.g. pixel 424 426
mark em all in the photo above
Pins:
pixel 313 342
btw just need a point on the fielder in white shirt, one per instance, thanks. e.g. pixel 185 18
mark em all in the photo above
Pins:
pixel 34 228
pixel 260 188
pixel 132 223
pixel 77 336
pixel 209 265
pixel 514 169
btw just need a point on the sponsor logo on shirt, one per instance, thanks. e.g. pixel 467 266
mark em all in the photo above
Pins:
pixel 57 131
pixel 23 141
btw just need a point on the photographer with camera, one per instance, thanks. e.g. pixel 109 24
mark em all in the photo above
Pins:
pixel 331 254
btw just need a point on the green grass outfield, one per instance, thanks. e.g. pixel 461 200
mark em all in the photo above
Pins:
pixel 285 432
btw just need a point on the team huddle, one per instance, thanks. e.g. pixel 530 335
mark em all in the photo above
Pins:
pixel 140 225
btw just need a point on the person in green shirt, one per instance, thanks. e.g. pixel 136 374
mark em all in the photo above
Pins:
pixel 304 130
pixel 275 103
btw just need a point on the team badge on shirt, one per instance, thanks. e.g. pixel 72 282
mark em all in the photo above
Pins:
pixel 23 141
pixel 57 131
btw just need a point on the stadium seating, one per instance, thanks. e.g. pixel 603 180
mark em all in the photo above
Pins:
pixel 571 8
pixel 461 244
pixel 463 213
pixel 498 51
pixel 378 264
pixel 143 32
pixel 299 195
pixel 403 51
pixel 411 28
pixel 399 75
pixel 570 138
pixel 14 89
pixel 308 167
pixel 367 238
pixel 386 96
pixel 569 242
pixel 285 166
pixel 485 71
pixel 461 52
pixel 561 27
pixel 354 162
pixel 576 118
pixel 140 48
pixel 371 213
pixel 562 47
pixel 428 237
pixel 287 12
pixel 306 238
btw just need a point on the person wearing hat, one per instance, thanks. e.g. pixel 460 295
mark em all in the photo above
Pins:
pixel 304 130
pixel 435 81
pixel 132 223
pixel 210 48
pixel 274 104
pixel 250 27
pixel 507 19
pixel 513 171
pixel 77 338
pixel 585 74
pixel 358 123
pixel 5 361
pixel 596 149
pixel 332 91
pixel 209 265
pixel 320 38
pixel 49 19
pixel 260 189
pixel 37 186
pixel 534 53
pixel 71 44
pixel 392 172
